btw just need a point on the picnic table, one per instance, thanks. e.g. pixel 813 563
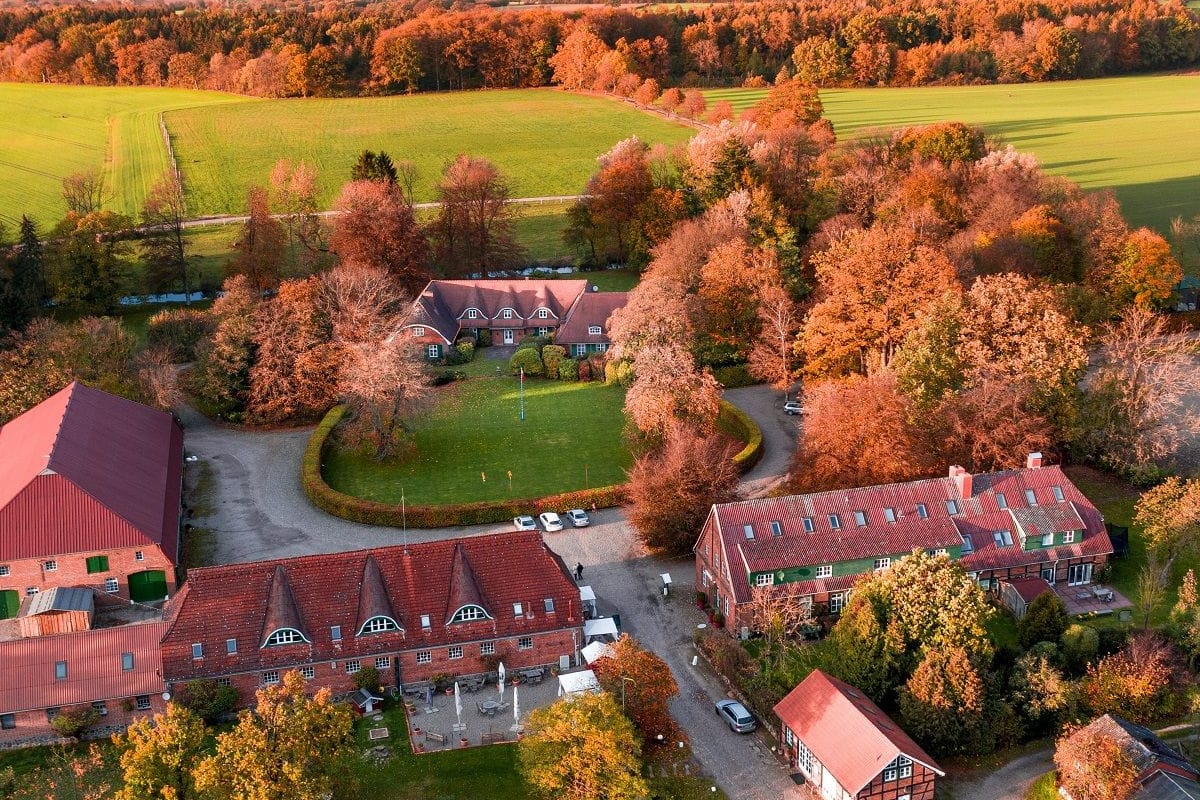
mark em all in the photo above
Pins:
pixel 472 685
pixel 533 675
pixel 1103 593
pixel 489 707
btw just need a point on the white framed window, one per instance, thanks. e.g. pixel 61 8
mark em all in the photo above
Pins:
pixel 284 636
pixel 424 622
pixel 602 347
pixel 1068 537
pixel 1001 501
pixel 231 647
pixel 835 521
pixel 952 507
pixel 353 666
pixel 30 591
pixel 548 605
pixel 543 331
pixel 1058 493
pixel 922 511
pixel 335 632
pixel 433 351
pixel 506 313
pixel 308 673
pixel 1002 538
pixel 860 518
pixel 143 702
pixel 472 313
pixel 594 330
pixel 487 648
pixel 270 677
pixel 836 602
pixel 111 585
pixel 518 610
pixel 418 332
pixel 454 652
pixel 1030 497
pixel 378 625
pixel 776 528
pixel 126 662
pixel 580 350
pixel 60 670
pixel 889 772
pixel 4 570
pixel 225 681
pixel 1047 540
pixel 941 551
pixel 968 545
pixel 882 564
pixel 904 764
pixel 804 756
pixel 808 524
pixel 764 579
pixel 102 707
pixel 50 566
pixel 424 656
pixel 138 555
pixel 197 651
pixel 825 571
pixel 525 643
pixel 543 313
pixel 383 662
pixel 889 514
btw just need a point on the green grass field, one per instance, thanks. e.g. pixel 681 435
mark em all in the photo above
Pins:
pixel 48 132
pixel 572 434
pixel 1136 135
pixel 545 140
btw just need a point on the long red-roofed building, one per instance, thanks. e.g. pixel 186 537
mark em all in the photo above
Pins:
pixel 999 526
pixel 90 487
pixel 434 608
pixel 846 747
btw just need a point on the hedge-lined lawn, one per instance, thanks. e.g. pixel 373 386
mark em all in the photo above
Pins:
pixel 1135 134
pixel 474 431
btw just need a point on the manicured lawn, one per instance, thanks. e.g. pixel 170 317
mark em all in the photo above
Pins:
pixel 49 131
pixel 546 141
pixel 1043 788
pixel 540 230
pixel 572 433
pixel 1135 134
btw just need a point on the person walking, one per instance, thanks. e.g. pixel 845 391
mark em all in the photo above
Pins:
pixel 578 571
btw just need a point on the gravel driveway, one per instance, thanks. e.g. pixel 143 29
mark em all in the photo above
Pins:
pixel 764 405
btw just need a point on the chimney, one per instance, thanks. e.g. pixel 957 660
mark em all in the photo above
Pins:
pixel 1033 461
pixel 962 481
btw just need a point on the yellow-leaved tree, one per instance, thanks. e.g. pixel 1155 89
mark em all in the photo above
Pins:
pixel 582 748
pixel 159 754
pixel 292 747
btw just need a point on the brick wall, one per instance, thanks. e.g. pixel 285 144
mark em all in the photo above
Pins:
pixel 71 570
pixel 33 727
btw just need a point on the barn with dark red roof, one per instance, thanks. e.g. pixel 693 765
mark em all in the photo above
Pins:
pixel 90 488
pixel 445 607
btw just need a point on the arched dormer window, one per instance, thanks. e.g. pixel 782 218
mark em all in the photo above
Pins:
pixel 284 636
pixel 469 614
pixel 378 624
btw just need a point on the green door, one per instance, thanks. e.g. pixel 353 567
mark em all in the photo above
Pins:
pixel 148 585
pixel 10 601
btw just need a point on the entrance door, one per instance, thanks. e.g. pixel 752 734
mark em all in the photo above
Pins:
pixel 1048 575
pixel 10 603
pixel 148 585
pixel 508 336
pixel 1079 573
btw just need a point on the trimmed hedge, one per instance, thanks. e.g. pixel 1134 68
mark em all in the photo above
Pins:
pixel 371 512
pixel 735 422
pixel 734 377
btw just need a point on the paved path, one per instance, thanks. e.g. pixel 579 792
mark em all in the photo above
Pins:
pixel 1010 782
pixel 764 405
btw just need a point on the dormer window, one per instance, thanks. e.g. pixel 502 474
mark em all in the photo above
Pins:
pixel 594 330
pixel 506 313
pixel 543 313
pixel 284 636
pixel 472 313
pixel 418 332
pixel 379 624
pixel 468 614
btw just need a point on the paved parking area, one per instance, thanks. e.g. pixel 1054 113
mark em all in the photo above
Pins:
pixel 438 729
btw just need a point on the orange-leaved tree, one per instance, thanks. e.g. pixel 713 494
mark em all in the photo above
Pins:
pixel 1093 766
pixel 645 685
pixel 158 755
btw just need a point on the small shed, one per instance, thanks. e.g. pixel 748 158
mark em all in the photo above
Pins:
pixel 365 702
pixel 573 683
pixel 1018 594
pixel 58 610
pixel 603 629
pixel 596 650
pixel 588 599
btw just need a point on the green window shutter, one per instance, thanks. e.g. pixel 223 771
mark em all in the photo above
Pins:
pixel 97 564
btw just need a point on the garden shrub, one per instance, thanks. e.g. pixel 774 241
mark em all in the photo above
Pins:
pixel 447 376
pixel 370 512
pixel 734 422
pixel 536 342
pixel 610 373
pixel 463 352
pixel 568 370
pixel 179 330
pixel 552 356
pixel 527 358
pixel 625 374
pixel 734 377
pixel 367 678
pixel 71 722
pixel 206 698
pixel 585 369
pixel 597 362
pixel 484 339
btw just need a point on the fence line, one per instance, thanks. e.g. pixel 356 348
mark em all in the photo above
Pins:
pixel 162 127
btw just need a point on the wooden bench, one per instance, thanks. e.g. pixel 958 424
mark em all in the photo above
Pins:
pixel 434 736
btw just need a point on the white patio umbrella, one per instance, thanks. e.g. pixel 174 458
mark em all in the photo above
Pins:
pixel 516 726
pixel 457 703
pixel 501 670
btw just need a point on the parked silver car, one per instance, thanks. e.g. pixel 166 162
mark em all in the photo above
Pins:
pixel 524 523
pixel 736 716
pixel 578 518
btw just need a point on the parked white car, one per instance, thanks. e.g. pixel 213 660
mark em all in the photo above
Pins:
pixel 792 408
pixel 550 521
pixel 579 518
pixel 524 523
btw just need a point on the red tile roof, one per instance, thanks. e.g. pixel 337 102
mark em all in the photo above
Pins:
pixel 977 515
pixel 93 667
pixel 1030 589
pixel 846 732
pixel 443 304
pixel 591 309
pixel 231 602
pixel 86 470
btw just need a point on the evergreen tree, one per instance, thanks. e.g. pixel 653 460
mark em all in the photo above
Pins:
pixel 372 166
pixel 23 294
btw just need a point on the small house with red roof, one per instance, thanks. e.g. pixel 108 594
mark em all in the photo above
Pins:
pixel 1000 526
pixel 447 310
pixel 846 747
pixel 90 487
pixel 412 612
